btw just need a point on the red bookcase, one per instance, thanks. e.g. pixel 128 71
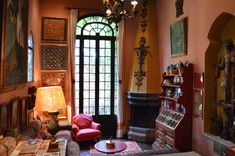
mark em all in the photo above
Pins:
pixel 174 122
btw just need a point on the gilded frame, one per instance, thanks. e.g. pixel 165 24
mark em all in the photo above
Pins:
pixel 54 29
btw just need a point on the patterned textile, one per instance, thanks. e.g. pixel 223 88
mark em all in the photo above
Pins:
pixel 9 143
pixel 3 150
pixel 132 148
pixel 73 149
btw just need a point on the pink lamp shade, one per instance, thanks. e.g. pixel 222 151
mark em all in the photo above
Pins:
pixel 49 99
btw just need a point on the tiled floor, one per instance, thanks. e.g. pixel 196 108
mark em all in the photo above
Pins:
pixel 85 150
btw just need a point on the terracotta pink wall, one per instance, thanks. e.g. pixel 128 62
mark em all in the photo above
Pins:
pixel 34 27
pixel 201 15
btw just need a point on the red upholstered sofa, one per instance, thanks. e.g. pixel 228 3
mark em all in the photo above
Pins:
pixel 84 128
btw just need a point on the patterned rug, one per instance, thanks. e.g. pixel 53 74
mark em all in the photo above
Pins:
pixel 132 147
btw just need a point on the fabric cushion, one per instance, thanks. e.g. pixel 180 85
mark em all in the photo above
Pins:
pixel 64 134
pixel 73 149
pixel 83 120
pixel 75 129
pixel 28 133
pixel 86 133
pixel 36 124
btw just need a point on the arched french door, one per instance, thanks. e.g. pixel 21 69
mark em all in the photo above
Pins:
pixel 96 71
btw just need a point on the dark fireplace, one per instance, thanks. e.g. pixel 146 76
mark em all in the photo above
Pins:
pixel 143 116
pixel 144 111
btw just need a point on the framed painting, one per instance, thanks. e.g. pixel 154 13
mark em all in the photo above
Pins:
pixel 198 104
pixel 178 36
pixel 54 57
pixel 54 29
pixel 14 44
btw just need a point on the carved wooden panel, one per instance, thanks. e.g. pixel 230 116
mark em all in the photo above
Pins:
pixel 54 57
pixel 53 79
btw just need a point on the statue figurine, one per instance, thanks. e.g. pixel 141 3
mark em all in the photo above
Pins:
pixel 179 7
pixel 226 65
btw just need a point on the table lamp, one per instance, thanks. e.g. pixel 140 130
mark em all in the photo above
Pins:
pixel 50 99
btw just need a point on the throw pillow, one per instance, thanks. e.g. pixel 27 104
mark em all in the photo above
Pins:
pixel 84 121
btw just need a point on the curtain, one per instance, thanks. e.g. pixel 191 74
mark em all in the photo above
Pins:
pixel 73 23
pixel 120 40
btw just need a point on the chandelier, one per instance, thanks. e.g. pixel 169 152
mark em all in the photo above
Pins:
pixel 117 12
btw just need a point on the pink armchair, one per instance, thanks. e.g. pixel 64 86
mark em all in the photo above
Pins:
pixel 84 128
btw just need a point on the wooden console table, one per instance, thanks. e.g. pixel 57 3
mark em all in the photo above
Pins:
pixel 41 147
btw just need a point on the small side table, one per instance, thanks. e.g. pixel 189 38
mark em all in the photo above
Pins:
pixel 101 147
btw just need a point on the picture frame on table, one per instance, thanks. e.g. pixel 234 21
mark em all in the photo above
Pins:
pixel 54 29
pixel 14 38
pixel 178 38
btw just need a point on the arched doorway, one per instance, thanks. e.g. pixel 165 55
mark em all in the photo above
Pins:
pixel 221 29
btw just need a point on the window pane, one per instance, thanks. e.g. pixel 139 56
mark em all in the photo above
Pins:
pixel 86 43
pixel 92 52
pixel 108 44
pixel 101 60
pixel 101 85
pixel 107 86
pixel 102 44
pixel 30 58
pixel 30 65
pixel 86 94
pixel 86 69
pixel 101 110
pixel 92 43
pixel 92 69
pixel 107 69
pixel 107 110
pixel 108 52
pixel 94 26
pixel 102 53
pixel 86 60
pixel 77 43
pixel 107 102
pixel 92 94
pixel 77 51
pixel 86 51
pixel 92 77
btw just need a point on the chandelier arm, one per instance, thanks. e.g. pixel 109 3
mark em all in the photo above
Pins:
pixel 117 12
